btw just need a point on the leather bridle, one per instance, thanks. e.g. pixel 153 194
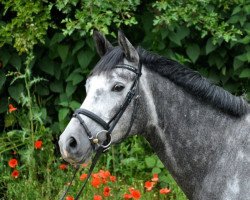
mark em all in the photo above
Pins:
pixel 108 127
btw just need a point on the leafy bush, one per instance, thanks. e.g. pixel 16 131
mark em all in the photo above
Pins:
pixel 47 52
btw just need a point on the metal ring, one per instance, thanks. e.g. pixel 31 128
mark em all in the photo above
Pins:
pixel 91 138
pixel 107 135
pixel 110 141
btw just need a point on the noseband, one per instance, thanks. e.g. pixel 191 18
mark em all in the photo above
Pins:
pixel 108 127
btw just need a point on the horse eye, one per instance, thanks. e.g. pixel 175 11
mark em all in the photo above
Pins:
pixel 117 88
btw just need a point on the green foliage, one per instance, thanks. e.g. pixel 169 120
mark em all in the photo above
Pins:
pixel 204 16
pixel 209 36
pixel 47 52
pixel 95 14
pixel 28 27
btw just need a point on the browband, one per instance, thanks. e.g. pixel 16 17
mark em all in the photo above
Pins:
pixel 129 67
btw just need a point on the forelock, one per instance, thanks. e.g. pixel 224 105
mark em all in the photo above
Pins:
pixel 109 61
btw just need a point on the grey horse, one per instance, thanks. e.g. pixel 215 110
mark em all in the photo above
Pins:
pixel 198 130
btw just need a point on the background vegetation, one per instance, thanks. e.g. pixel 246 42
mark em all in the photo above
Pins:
pixel 47 51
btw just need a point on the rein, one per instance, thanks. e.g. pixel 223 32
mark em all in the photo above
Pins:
pixel 108 127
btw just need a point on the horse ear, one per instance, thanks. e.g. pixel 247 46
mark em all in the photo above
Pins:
pixel 130 52
pixel 101 43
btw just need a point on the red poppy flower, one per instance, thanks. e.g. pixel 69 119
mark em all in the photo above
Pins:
pixel 155 178
pixel 96 182
pixel 95 175
pixel 149 185
pixel 104 181
pixel 165 191
pixel 97 197
pixel 106 191
pixel 38 144
pixel 13 163
pixel 104 174
pixel 12 108
pixel 69 198
pixel 112 178
pixel 135 193
pixel 15 174
pixel 63 166
pixel 83 177
pixel 127 196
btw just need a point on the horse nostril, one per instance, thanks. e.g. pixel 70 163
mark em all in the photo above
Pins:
pixel 72 142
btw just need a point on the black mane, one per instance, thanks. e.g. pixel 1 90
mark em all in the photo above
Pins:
pixel 182 76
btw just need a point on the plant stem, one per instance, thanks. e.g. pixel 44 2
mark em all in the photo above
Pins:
pixel 113 158
pixel 31 123
pixel 11 148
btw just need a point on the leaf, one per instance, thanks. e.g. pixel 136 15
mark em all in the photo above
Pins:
pixel 15 91
pixel 70 89
pixel 75 78
pixel 129 161
pixel 219 61
pixel 63 51
pixel 63 97
pixel 237 64
pixel 234 19
pixel 42 90
pixel 156 170
pixel 58 37
pixel 193 52
pixel 174 38
pixel 4 57
pixel 74 105
pixel 63 112
pixel 9 120
pixel 159 164
pixel 90 43
pixel 150 162
pixel 164 179
pixel 15 133
pixel 245 73
pixel 247 8
pixel 56 86
pixel 77 46
pixel 84 58
pixel 15 60
pixel 180 34
pixel 47 66
pixel 44 114
pixel 3 104
pixel 64 103
pixel 242 57
pixel 37 80
pixel 236 10
pixel 2 78
pixel 245 40
pixel 210 46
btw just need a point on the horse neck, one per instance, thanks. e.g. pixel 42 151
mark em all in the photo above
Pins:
pixel 185 133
